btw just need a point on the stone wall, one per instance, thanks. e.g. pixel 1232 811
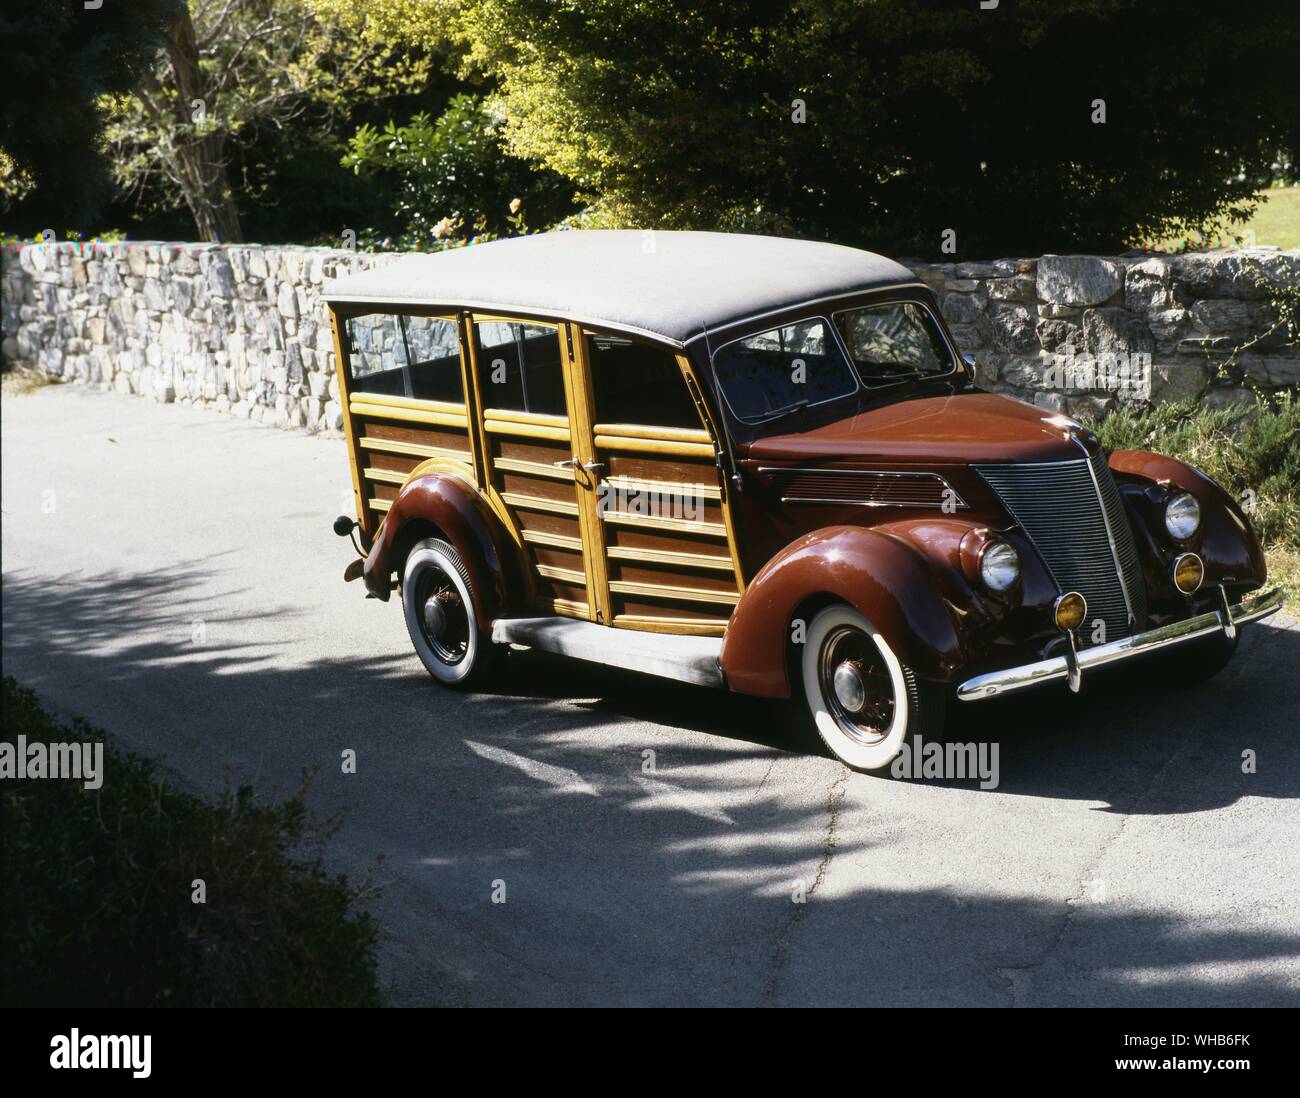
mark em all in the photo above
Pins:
pixel 1083 333
pixel 243 329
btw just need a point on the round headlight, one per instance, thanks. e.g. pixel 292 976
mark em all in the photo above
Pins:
pixel 999 566
pixel 1182 516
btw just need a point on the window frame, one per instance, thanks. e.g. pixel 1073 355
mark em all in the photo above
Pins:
pixel 803 319
pixel 953 356
pixel 406 396
pixel 480 357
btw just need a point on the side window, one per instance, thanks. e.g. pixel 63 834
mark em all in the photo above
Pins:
pixel 637 383
pixel 377 355
pixel 412 356
pixel 435 358
pixel 520 367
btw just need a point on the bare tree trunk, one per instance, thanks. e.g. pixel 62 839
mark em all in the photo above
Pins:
pixel 207 190
pixel 201 160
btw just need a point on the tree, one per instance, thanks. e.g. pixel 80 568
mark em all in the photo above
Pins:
pixel 454 176
pixel 1041 125
pixel 59 60
pixel 228 71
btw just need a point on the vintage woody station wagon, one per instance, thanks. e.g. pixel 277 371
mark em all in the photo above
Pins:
pixel 760 465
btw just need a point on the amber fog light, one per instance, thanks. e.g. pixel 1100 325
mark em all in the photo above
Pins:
pixel 1189 570
pixel 1069 611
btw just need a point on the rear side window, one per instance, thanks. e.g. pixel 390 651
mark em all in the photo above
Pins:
pixel 520 367
pixel 410 356
pixel 775 372
pixel 637 383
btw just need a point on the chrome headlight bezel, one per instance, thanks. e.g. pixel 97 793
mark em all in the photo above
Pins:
pixel 999 566
pixel 1182 516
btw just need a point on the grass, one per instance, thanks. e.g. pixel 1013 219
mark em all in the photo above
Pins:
pixel 1276 222
pixel 99 891
pixel 1254 450
pixel 18 380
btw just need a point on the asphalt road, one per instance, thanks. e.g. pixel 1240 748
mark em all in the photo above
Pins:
pixel 170 574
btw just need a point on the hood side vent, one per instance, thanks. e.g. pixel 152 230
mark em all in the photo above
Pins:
pixel 862 487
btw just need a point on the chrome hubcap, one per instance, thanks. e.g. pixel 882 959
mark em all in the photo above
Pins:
pixel 849 691
pixel 856 685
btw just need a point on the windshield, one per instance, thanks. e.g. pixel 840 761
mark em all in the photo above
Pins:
pixel 892 342
pixel 786 369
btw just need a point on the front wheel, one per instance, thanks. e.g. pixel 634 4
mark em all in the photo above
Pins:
pixel 438 603
pixel 865 702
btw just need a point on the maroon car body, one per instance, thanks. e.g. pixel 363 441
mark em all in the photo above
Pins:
pixel 871 531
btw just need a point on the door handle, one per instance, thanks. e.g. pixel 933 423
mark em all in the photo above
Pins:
pixel 593 465
pixel 567 463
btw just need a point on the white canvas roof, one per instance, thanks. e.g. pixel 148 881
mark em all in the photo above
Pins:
pixel 671 285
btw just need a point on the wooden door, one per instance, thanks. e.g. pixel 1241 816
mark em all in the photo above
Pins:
pixel 531 464
pixel 660 541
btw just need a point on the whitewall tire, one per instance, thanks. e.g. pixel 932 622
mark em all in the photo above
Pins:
pixel 865 702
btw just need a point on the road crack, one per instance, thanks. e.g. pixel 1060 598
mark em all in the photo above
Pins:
pixel 834 795
pixel 1017 977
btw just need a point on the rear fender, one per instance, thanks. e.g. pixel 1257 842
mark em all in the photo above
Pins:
pixel 446 499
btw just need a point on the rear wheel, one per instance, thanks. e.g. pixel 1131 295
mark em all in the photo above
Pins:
pixel 438 602
pixel 864 701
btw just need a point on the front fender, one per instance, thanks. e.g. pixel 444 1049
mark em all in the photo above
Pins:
pixel 1225 540
pixel 903 577
pixel 448 501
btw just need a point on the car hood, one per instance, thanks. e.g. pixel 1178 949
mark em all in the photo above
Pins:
pixel 953 428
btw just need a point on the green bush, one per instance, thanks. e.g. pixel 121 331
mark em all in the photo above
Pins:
pixel 1253 448
pixel 455 170
pixel 97 892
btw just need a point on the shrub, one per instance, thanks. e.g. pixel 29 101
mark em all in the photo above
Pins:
pixel 97 888
pixel 453 176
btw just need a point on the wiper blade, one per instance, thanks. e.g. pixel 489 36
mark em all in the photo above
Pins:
pixel 899 377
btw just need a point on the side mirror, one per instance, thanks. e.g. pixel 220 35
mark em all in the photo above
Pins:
pixel 343 525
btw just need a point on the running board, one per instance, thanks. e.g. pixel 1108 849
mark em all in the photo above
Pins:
pixel 687 658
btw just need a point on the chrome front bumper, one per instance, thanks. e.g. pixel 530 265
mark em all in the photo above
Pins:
pixel 1223 620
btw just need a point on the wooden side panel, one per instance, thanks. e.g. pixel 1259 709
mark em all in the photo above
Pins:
pixel 541 501
pixel 390 450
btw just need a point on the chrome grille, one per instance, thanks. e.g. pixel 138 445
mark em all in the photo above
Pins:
pixel 1122 538
pixel 1071 519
